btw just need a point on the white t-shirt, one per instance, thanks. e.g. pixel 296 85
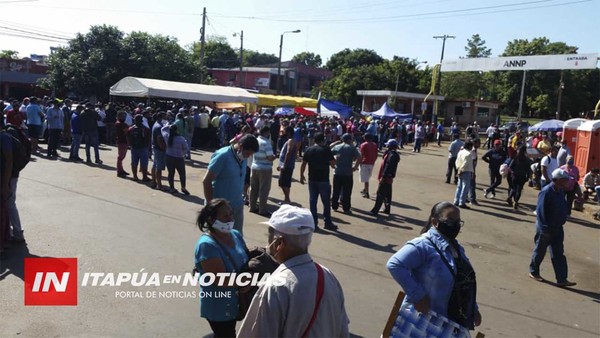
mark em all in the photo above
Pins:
pixel 551 164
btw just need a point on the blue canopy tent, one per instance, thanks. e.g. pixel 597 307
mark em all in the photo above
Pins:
pixel 335 106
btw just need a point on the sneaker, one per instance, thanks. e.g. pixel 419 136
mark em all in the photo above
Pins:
pixel 487 193
pixel 99 162
pixel 493 195
pixel 536 277
pixel 331 227
pixel 509 201
pixel 366 196
pixel 374 213
pixel 121 175
pixel 173 191
pixel 474 202
pixel 516 206
pixel 185 191
pixel 464 206
pixel 125 173
pixel 565 284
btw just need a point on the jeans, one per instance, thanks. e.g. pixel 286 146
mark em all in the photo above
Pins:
pixel 384 196
pixel 238 218
pixel 260 186
pixel 53 141
pixel 75 144
pixel 176 163
pixel 91 140
pixel 341 185
pixel 13 213
pixel 463 187
pixel 472 195
pixel 418 143
pixel 451 168
pixel 495 180
pixel 553 238
pixel 323 189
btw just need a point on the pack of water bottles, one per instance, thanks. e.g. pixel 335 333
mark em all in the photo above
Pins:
pixel 413 324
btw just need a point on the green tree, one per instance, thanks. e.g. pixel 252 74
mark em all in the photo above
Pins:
pixel 348 58
pixel 308 58
pixel 255 58
pixel 218 53
pixel 476 47
pixel 146 51
pixel 380 76
pixel 94 61
pixel 9 54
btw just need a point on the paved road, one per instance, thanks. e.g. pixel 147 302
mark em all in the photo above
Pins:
pixel 116 225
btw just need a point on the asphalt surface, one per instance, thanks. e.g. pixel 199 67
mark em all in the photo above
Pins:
pixel 117 225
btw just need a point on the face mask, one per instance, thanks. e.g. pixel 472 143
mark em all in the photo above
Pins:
pixel 450 230
pixel 269 250
pixel 224 227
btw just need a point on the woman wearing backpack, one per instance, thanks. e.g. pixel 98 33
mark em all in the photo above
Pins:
pixel 176 150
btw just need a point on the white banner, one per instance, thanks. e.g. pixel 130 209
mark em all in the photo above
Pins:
pixel 535 62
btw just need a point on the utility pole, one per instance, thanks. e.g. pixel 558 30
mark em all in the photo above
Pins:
pixel 202 44
pixel 242 84
pixel 560 90
pixel 436 103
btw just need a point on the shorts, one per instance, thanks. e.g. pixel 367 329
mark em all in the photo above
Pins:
pixel 247 178
pixel 285 177
pixel 141 156
pixel 34 130
pixel 160 159
pixel 365 170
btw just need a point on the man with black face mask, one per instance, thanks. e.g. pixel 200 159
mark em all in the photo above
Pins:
pixel 434 271
pixel 226 173
pixel 301 298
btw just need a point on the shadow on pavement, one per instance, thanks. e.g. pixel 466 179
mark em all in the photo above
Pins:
pixel 13 261
pixel 360 241
pixel 584 223
pixel 384 219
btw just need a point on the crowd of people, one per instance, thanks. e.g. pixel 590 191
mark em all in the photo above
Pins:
pixel 240 172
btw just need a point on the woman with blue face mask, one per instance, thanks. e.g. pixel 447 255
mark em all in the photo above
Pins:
pixel 219 249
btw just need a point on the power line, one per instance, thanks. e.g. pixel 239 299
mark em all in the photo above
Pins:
pixel 126 11
pixel 400 17
pixel 29 37
pixel 62 34
pixel 34 33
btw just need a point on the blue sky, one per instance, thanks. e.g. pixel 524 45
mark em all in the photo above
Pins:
pixel 403 28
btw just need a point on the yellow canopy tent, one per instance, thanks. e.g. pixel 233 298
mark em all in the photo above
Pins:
pixel 280 101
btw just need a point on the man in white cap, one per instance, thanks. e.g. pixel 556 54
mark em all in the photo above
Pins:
pixel 301 298
pixel 551 213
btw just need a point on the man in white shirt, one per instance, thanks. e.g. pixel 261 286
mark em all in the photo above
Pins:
pixel 301 298
pixel 549 163
pixel 464 167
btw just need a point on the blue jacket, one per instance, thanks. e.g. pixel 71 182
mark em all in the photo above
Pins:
pixel 551 210
pixel 420 271
pixel 75 124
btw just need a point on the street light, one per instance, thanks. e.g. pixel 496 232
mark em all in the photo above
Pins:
pixel 279 67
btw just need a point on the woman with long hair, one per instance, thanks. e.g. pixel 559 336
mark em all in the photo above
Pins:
pixel 220 249
pixel 520 168
pixel 434 271
pixel 176 149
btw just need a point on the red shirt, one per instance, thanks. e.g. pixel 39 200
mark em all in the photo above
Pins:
pixel 368 152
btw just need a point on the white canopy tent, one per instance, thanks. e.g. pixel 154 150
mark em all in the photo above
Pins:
pixel 141 87
pixel 325 112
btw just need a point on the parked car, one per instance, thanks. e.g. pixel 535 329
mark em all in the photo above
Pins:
pixel 512 126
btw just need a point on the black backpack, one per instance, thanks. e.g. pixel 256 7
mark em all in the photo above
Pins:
pixel 21 148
